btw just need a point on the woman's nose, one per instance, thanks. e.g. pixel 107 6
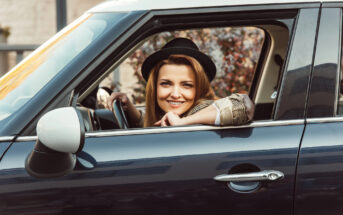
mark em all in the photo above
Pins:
pixel 175 92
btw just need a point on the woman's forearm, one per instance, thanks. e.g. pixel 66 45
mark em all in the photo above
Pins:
pixel 205 116
pixel 133 114
pixel 237 109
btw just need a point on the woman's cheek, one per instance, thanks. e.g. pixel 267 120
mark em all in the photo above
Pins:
pixel 162 92
pixel 189 94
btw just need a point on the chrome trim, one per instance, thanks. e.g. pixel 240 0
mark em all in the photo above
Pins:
pixel 193 128
pixel 325 120
pixel 178 129
pixel 265 175
pixel 7 138
pixel 26 138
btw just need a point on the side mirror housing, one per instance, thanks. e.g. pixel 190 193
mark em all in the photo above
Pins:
pixel 61 133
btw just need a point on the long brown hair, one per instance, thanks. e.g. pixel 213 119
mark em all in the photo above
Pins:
pixel 203 90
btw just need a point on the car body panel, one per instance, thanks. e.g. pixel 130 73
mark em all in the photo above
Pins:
pixel 171 170
pixel 4 144
pixel 326 71
pixel 319 174
pixel 157 173
pixel 293 91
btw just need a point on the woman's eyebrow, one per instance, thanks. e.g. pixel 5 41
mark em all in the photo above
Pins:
pixel 162 79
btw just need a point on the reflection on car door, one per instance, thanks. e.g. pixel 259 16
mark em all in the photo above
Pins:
pixel 319 176
pixel 168 173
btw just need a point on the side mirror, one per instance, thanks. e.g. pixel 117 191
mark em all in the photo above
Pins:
pixel 61 133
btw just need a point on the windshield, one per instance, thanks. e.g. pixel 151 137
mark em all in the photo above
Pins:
pixel 19 85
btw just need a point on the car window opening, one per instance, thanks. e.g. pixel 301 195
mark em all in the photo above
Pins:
pixel 237 53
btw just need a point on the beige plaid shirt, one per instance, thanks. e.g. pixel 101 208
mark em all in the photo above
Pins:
pixel 231 109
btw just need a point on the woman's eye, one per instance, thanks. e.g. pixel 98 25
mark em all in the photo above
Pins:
pixel 164 83
pixel 188 85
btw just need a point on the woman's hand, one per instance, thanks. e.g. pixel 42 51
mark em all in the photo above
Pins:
pixel 132 113
pixel 170 119
pixel 118 96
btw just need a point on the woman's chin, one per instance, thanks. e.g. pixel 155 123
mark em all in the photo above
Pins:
pixel 178 111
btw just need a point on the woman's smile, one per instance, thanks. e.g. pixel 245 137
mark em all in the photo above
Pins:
pixel 175 104
pixel 175 88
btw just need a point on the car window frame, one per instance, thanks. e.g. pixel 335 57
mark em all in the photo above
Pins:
pixel 134 36
pixel 325 77
pixel 264 49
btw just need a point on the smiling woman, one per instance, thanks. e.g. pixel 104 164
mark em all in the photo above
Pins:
pixel 180 84
pixel 175 88
pixel 178 91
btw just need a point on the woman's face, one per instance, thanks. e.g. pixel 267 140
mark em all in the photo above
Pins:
pixel 175 88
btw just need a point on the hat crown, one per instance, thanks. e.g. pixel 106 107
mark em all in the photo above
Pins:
pixel 179 46
pixel 181 43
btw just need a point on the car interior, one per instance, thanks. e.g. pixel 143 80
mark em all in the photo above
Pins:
pixel 263 89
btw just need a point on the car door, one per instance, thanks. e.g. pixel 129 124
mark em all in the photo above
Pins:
pixel 174 170
pixel 319 188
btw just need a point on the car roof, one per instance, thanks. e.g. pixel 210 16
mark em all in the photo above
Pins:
pixel 135 5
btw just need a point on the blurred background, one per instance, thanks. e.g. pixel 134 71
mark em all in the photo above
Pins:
pixel 26 24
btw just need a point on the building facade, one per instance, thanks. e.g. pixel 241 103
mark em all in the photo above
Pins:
pixel 34 22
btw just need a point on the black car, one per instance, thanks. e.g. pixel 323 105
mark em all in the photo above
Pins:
pixel 85 160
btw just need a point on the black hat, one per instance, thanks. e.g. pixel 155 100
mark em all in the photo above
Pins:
pixel 179 46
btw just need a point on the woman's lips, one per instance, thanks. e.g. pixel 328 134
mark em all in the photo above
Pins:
pixel 175 103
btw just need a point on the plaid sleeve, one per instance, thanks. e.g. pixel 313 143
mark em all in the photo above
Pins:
pixel 232 110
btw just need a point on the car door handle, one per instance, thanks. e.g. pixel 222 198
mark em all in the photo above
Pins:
pixel 265 175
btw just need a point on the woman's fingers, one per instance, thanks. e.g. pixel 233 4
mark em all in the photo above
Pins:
pixel 158 123
pixel 116 95
pixel 124 102
pixel 164 121
pixel 169 119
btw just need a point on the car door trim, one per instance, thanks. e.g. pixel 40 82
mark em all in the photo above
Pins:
pixel 138 131
pixel 324 120
pixel 6 139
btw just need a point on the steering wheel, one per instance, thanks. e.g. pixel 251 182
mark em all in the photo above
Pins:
pixel 104 119
pixel 120 115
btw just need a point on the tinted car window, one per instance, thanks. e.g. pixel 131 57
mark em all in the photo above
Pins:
pixel 25 80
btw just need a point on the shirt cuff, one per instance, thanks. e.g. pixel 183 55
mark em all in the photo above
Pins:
pixel 217 121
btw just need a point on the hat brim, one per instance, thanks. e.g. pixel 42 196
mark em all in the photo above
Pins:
pixel 205 61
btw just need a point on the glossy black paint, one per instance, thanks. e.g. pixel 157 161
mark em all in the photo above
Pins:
pixel 3 148
pixel 319 184
pixel 324 84
pixel 319 173
pixel 172 173
pixel 293 90
pixel 168 173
